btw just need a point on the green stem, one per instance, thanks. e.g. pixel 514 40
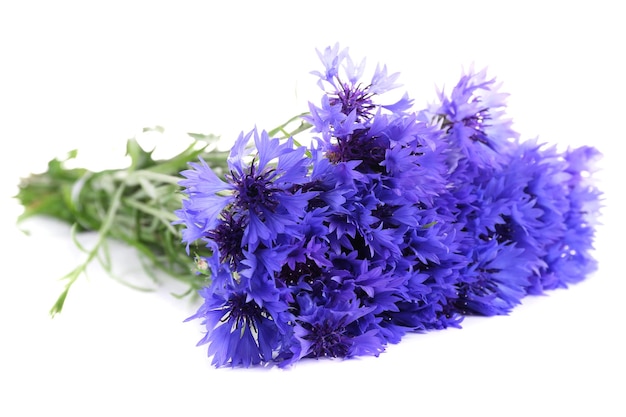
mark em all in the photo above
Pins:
pixel 134 177
pixel 303 126
pixel 73 275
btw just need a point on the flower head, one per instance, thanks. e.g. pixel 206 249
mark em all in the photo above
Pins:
pixel 241 331
pixel 332 331
pixel 473 115
pixel 258 200
pixel 350 103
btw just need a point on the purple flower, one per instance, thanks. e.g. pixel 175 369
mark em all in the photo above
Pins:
pixel 474 118
pixel 494 282
pixel 242 331
pixel 325 331
pixel 349 103
pixel 258 200
pixel 392 222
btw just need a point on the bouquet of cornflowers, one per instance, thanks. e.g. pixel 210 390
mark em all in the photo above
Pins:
pixel 392 220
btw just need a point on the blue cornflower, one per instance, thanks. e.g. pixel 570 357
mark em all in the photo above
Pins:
pixel 349 103
pixel 242 331
pixel 260 197
pixel 347 92
pixel 474 118
pixel 495 281
pixel 332 331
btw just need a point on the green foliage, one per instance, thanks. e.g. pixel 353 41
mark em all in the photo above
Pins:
pixel 134 205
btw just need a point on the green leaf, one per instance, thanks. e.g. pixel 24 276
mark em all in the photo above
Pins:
pixel 139 157
pixel 207 138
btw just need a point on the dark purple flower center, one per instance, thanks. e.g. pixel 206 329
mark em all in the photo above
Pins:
pixel 242 313
pixel 256 191
pixel 354 98
pixel 359 146
pixel 327 339
pixel 228 236
pixel 477 123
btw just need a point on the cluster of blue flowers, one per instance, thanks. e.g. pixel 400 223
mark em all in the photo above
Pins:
pixel 392 221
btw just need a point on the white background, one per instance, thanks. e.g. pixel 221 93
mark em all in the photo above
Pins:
pixel 89 75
